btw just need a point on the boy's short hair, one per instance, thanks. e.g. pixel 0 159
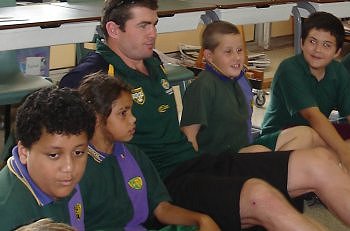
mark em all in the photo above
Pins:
pixel 211 32
pixel 55 111
pixel 326 22
pixel 100 90
pixel 118 11
pixel 46 224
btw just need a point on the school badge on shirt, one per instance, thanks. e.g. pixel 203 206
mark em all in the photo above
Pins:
pixel 166 85
pixel 135 183
pixel 138 95
pixel 78 210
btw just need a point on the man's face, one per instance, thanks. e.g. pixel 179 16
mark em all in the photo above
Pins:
pixel 56 162
pixel 138 39
pixel 319 49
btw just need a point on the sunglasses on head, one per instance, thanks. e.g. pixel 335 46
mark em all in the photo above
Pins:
pixel 125 2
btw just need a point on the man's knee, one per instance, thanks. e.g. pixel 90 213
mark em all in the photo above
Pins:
pixel 257 193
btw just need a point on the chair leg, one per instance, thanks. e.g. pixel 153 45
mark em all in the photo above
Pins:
pixel 7 122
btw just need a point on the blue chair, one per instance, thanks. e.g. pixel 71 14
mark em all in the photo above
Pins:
pixel 179 76
pixel 4 3
pixel 14 87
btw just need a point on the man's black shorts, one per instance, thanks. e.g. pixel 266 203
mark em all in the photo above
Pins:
pixel 212 184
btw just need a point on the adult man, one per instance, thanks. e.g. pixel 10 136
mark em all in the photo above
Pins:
pixel 227 187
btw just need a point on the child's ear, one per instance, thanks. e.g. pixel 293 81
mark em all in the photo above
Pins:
pixel 208 55
pixel 99 120
pixel 22 153
pixel 337 53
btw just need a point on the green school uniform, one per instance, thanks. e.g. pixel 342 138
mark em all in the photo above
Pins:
pixel 346 62
pixel 219 106
pixel 107 203
pixel 157 128
pixel 294 88
pixel 22 202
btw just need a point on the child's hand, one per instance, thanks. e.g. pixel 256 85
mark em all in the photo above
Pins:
pixel 207 224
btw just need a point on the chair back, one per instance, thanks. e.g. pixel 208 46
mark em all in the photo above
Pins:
pixel 4 3
pixel 8 65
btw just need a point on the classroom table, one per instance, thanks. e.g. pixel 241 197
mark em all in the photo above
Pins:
pixel 44 25
pixel 174 15
pixel 259 12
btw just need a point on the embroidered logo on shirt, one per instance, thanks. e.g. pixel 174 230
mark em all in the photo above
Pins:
pixel 165 84
pixel 138 95
pixel 163 108
pixel 77 210
pixel 135 183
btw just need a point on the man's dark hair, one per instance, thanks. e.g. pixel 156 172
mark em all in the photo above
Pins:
pixel 56 111
pixel 326 22
pixel 118 11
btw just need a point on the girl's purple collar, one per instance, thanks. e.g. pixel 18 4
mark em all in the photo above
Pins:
pixel 211 69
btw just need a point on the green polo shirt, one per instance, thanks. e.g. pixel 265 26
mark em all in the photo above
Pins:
pixel 346 62
pixel 20 205
pixel 157 128
pixel 106 201
pixel 294 88
pixel 219 106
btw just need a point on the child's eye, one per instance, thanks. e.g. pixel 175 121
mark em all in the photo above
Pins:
pixel 327 45
pixel 53 155
pixel 79 153
pixel 312 41
pixel 123 113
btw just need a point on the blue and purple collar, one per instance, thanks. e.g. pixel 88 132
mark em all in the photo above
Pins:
pixel 21 172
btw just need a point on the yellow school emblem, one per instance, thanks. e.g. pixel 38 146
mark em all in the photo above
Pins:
pixel 138 96
pixel 165 84
pixel 163 108
pixel 78 210
pixel 135 183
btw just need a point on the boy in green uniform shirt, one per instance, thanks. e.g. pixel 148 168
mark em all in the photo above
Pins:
pixel 308 86
pixel 121 194
pixel 53 127
pixel 217 106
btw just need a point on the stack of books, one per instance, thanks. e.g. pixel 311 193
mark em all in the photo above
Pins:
pixel 258 61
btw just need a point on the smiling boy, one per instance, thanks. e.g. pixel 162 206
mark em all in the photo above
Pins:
pixel 308 86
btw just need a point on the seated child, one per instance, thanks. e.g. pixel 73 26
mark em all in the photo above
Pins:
pixel 53 127
pixel 217 107
pixel 308 86
pixel 124 190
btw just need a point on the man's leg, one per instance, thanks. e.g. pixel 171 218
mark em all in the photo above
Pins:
pixel 318 170
pixel 298 137
pixel 261 204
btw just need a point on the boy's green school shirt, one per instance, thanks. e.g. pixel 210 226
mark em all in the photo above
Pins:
pixel 19 207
